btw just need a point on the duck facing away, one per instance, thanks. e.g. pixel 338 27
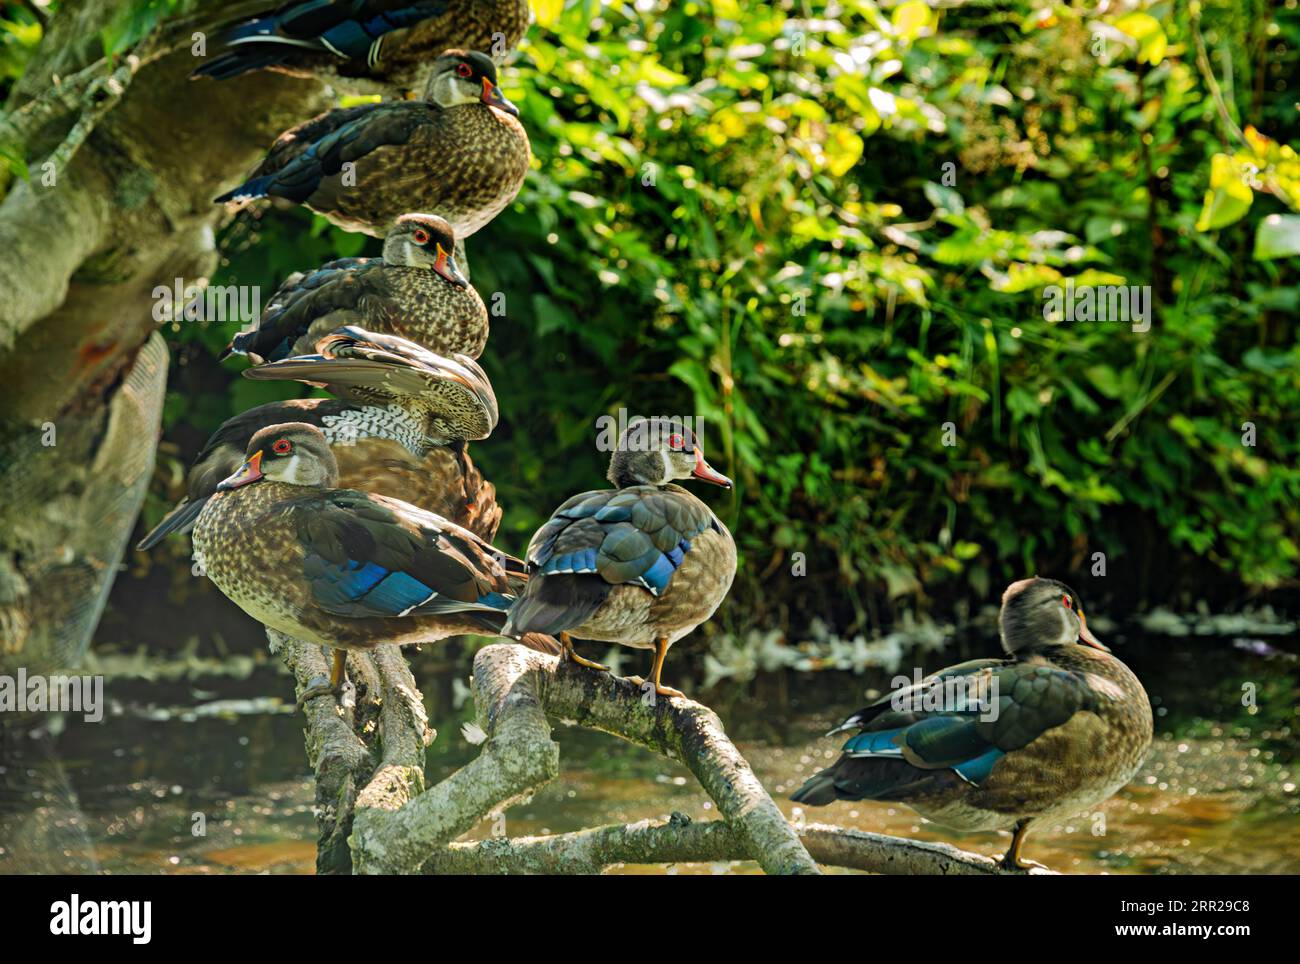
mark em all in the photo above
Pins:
pixel 415 290
pixel 400 429
pixel 641 564
pixel 381 40
pixel 1063 726
pixel 346 569
pixel 460 152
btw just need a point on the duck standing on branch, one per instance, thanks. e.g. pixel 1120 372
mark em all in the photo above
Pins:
pixel 415 290
pixel 348 570
pixel 641 564
pixel 381 40
pixel 460 153
pixel 1063 726
pixel 399 429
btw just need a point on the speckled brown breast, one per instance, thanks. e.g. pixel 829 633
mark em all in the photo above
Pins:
pixel 634 617
pixel 249 548
pixel 466 166
pixel 1067 769
pixel 441 482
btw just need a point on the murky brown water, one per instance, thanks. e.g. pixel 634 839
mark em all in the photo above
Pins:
pixel 128 795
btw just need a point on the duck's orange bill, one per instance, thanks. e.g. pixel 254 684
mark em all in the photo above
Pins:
pixel 703 470
pixel 446 266
pixel 1087 638
pixel 250 471
pixel 493 97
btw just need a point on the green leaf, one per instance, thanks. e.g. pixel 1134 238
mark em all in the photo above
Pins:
pixel 1229 196
pixel 843 149
pixel 1146 30
pixel 1278 236
pixel 944 197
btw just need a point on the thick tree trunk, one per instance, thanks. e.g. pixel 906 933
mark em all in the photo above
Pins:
pixel 125 157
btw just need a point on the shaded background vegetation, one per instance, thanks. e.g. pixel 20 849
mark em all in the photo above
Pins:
pixel 826 228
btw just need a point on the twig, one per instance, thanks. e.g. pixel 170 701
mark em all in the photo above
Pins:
pixel 679 840
pixel 1207 74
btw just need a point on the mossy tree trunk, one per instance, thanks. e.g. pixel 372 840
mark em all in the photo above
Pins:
pixel 124 156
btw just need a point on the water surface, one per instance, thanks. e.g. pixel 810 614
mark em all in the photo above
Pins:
pixel 209 775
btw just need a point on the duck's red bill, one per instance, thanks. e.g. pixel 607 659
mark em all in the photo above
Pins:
pixel 703 470
pixel 446 266
pixel 250 471
pixel 493 97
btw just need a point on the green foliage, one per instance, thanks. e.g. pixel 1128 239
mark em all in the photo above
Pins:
pixel 829 229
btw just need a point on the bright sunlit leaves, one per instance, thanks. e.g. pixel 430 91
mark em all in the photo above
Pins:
pixel 1229 196
pixel 1150 36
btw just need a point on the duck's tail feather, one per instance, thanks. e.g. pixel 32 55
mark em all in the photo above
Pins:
pixel 817 791
pixel 248 191
pixel 241 61
pixel 554 603
pixel 179 519
pixel 873 778
pixel 542 643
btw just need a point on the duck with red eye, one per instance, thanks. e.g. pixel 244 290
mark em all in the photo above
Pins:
pixel 459 152
pixel 1053 728
pixel 641 564
pixel 342 568
pixel 415 290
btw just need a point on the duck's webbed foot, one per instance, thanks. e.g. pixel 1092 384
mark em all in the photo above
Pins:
pixel 572 656
pixel 657 668
pixel 336 684
pixel 1012 860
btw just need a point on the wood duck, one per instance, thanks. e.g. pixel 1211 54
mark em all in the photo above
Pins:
pixel 641 564
pixel 460 152
pixel 399 430
pixel 415 290
pixel 388 40
pixel 346 569
pixel 1056 726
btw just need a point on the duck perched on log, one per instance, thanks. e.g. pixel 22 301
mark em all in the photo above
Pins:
pixel 378 40
pixel 1055 727
pixel 415 290
pixel 460 152
pixel 399 430
pixel 641 564
pixel 346 569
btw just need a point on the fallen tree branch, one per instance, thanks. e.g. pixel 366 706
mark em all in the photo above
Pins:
pixel 680 840
pixel 375 798
pixel 515 689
